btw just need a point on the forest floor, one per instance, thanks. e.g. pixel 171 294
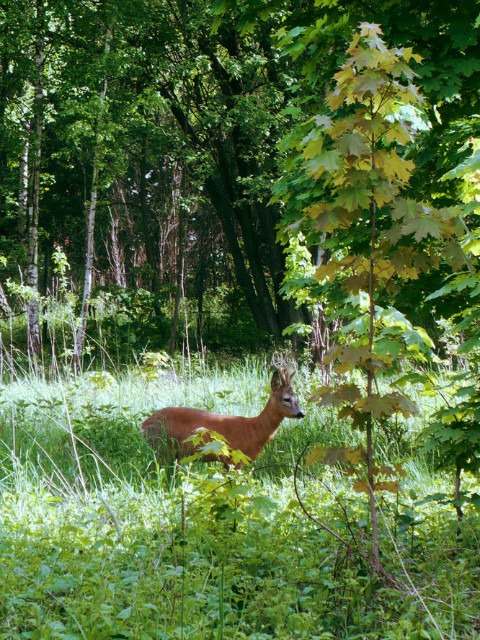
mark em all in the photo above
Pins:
pixel 99 542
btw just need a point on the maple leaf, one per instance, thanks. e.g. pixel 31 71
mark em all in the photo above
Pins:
pixel 323 121
pixel 352 198
pixel 327 271
pixel 354 456
pixel 364 58
pixel 404 209
pixel 412 94
pixel 400 133
pixel 348 393
pixel 327 221
pixel 379 406
pixel 354 284
pixel 421 227
pixel 403 259
pixel 383 269
pixel 353 144
pixel 407 54
pixel 384 191
pixel 393 234
pixel 377 43
pixel 387 405
pixel 361 486
pixel 353 354
pixel 405 406
pixel 316 210
pixel 369 82
pixel 384 471
pixel 398 167
pixel 347 412
pixel 340 126
pixel 391 486
pixel 402 69
pixel 370 29
pixel 329 161
pixel 455 255
pixel 335 98
pixel 314 148
pixel 354 43
pixel 332 456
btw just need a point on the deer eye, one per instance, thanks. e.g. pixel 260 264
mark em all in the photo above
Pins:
pixel 287 400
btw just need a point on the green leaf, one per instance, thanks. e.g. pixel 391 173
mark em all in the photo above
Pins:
pixel 353 198
pixel 421 227
pixel 353 144
pixel 327 161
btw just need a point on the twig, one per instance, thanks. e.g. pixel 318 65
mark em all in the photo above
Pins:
pixel 304 509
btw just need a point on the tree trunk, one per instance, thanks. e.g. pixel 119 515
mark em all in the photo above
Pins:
pixel 200 288
pixel 115 254
pixel 222 206
pixel 4 71
pixel 92 209
pixel 33 341
pixel 4 304
pixel 370 376
pixel 242 211
pixel 149 246
pixel 23 187
pixel 180 270
pixel 457 496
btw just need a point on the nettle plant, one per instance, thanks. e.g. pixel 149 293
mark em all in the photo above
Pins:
pixel 377 240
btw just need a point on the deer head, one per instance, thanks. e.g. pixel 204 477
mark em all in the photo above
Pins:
pixel 282 390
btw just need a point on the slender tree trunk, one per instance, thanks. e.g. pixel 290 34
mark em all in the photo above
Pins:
pixel 23 188
pixel 457 496
pixel 370 374
pixel 149 245
pixel 34 344
pixel 4 304
pixel 180 271
pixel 116 252
pixel 200 288
pixel 91 212
pixel 4 73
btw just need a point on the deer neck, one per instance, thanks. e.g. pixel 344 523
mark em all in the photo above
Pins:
pixel 267 423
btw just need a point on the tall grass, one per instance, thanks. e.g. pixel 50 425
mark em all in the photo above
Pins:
pixel 98 542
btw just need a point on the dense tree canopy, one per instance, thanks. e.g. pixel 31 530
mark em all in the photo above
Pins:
pixel 149 133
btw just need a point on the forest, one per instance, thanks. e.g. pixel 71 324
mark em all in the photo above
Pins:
pixel 239 319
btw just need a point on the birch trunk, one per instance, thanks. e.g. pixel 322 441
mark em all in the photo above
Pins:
pixel 33 341
pixel 23 190
pixel 4 304
pixel 91 212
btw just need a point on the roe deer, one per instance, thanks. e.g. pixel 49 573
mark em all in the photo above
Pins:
pixel 168 428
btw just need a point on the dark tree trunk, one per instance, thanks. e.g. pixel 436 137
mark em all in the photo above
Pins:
pixel 222 207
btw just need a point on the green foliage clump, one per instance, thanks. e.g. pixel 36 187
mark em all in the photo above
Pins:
pixel 110 440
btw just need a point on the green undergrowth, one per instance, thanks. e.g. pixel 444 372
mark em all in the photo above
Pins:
pixel 97 541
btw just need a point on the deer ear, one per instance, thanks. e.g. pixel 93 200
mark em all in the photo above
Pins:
pixel 277 381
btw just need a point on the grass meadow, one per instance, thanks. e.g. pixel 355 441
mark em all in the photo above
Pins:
pixel 98 541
